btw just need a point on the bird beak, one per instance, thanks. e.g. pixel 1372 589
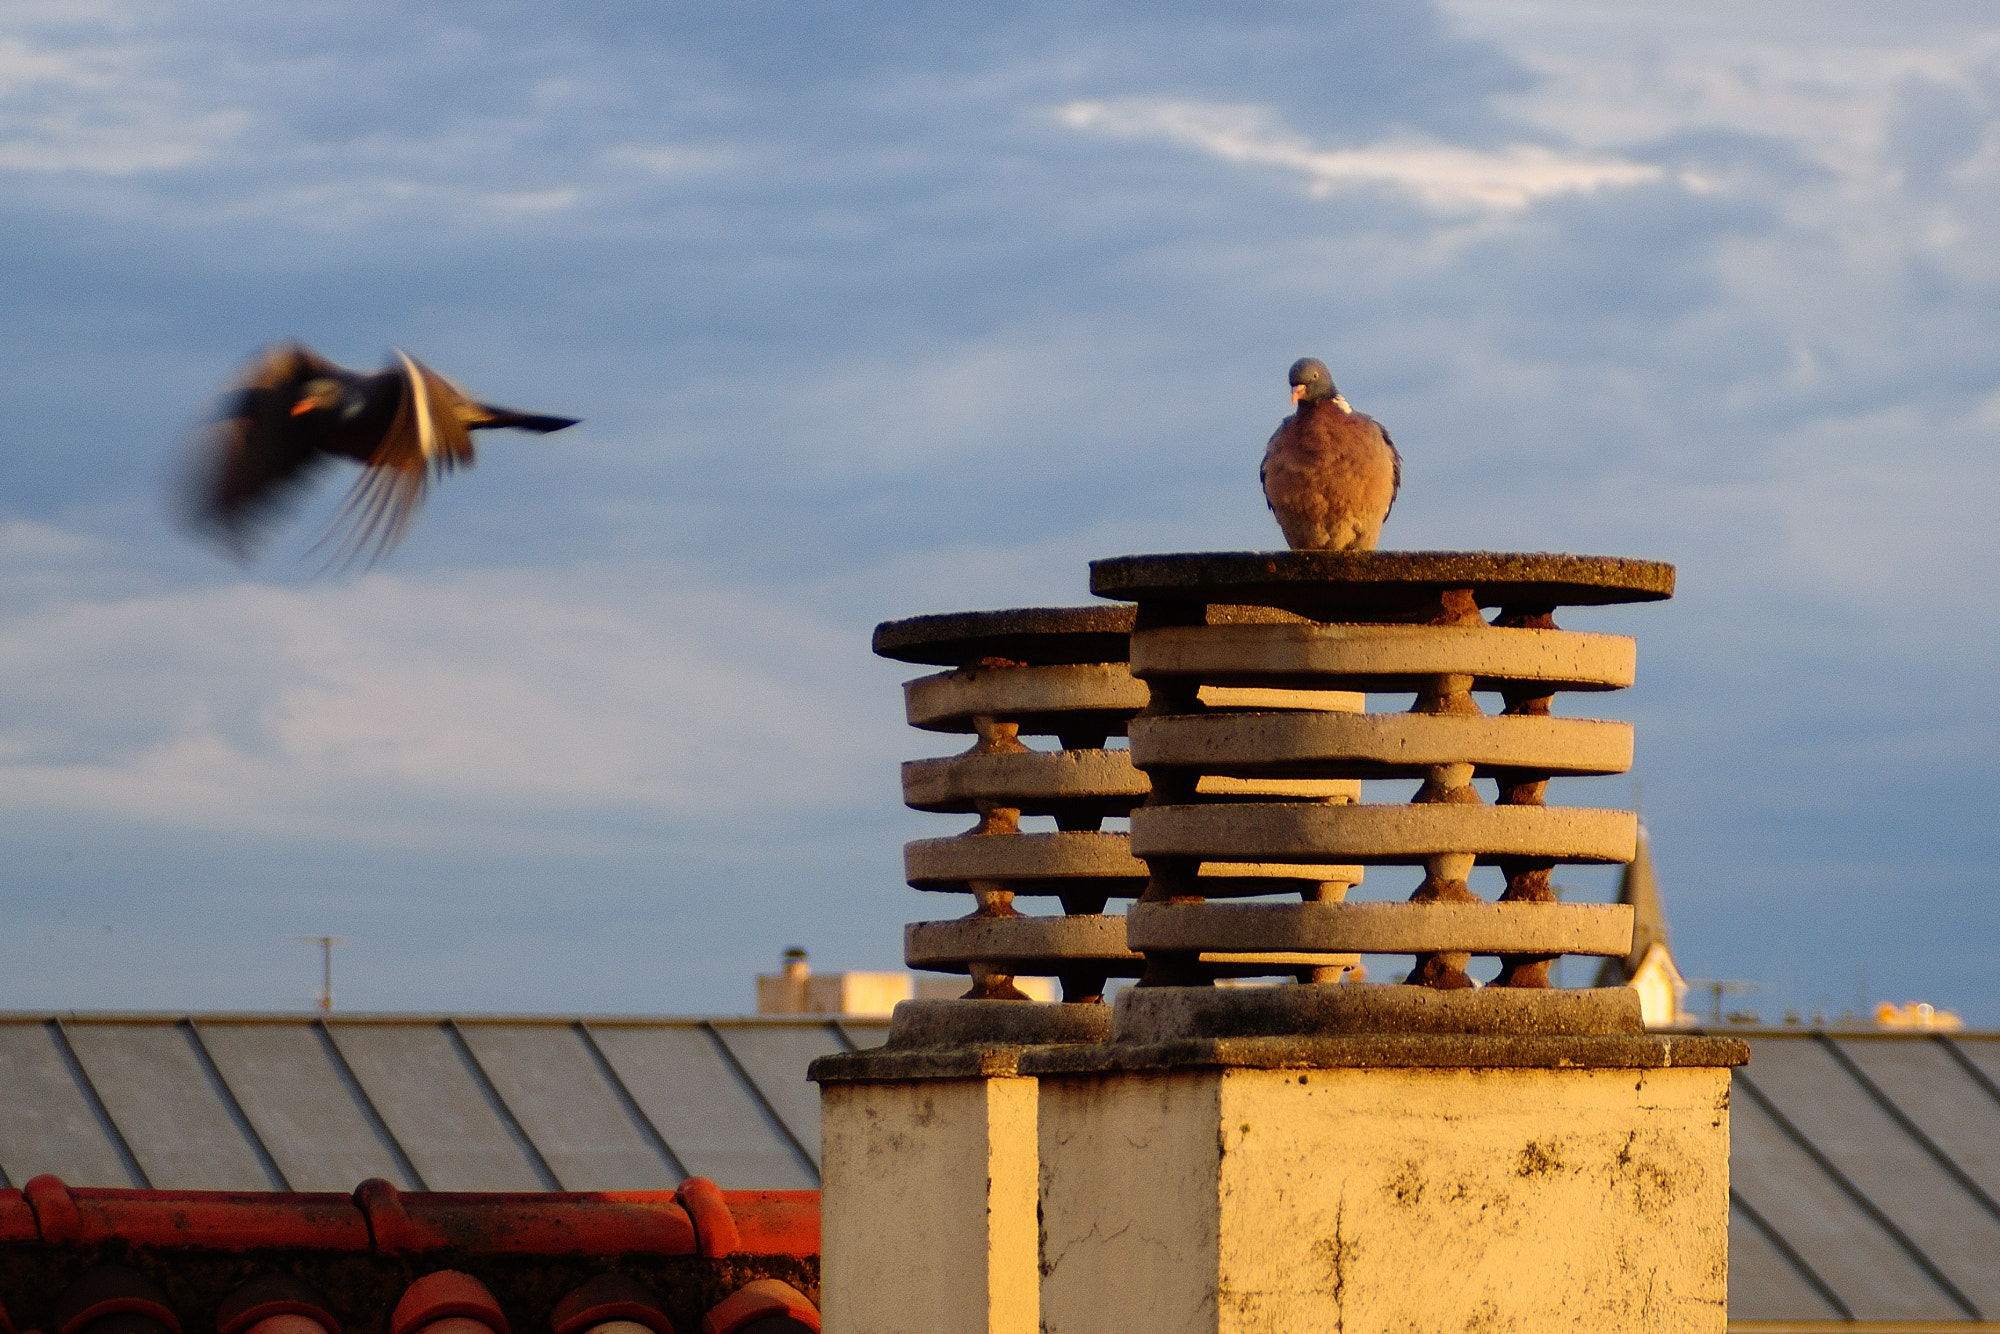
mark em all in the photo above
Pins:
pixel 302 407
pixel 1298 392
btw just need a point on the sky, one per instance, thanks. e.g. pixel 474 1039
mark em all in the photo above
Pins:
pixel 921 309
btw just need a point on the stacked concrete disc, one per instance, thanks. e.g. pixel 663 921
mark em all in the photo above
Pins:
pixel 1061 674
pixel 1387 624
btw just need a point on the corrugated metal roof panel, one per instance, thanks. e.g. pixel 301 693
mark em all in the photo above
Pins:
pixel 1845 1122
pixel 776 1057
pixel 1763 1283
pixel 566 1106
pixel 310 1120
pixel 1946 1103
pixel 1983 1052
pixel 179 1126
pixel 706 1114
pixel 46 1121
pixel 435 1106
pixel 1858 1260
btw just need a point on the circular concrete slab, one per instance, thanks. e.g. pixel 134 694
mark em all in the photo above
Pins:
pixel 1038 636
pixel 1100 862
pixel 1346 585
pixel 1385 658
pixel 1035 782
pixel 1383 928
pixel 1049 699
pixel 1376 745
pixel 1023 941
pixel 1384 835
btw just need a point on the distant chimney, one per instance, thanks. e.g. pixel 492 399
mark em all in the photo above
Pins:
pixel 794 989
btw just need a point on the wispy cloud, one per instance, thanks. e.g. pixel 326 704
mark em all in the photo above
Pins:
pixel 101 111
pixel 665 159
pixel 389 706
pixel 1439 175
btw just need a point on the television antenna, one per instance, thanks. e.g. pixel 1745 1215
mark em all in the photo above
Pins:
pixel 1716 991
pixel 324 1002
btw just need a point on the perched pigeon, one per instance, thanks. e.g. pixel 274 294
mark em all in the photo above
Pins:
pixel 294 410
pixel 1330 473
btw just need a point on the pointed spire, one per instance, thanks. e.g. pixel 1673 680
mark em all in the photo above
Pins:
pixel 1649 921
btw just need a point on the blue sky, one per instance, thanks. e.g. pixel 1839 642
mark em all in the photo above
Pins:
pixel 920 310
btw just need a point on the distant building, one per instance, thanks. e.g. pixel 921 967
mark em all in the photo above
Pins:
pixel 1649 969
pixel 796 989
pixel 1916 1014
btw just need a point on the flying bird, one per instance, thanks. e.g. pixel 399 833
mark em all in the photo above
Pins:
pixel 1330 473
pixel 294 410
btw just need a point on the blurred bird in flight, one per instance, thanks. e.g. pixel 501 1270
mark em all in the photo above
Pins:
pixel 1330 473
pixel 294 410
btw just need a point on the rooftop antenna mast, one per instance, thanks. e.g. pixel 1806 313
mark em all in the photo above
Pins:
pixel 324 1002
pixel 1717 989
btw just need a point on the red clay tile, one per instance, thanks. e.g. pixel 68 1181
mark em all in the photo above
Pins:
pixel 761 1300
pixel 112 1290
pixel 214 1219
pixel 606 1298
pixel 774 1222
pixel 17 1223
pixel 55 1211
pixel 533 1223
pixel 447 1295
pixel 715 1229
pixel 270 1298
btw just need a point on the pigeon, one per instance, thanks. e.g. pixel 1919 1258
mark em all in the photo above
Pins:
pixel 294 410
pixel 1330 473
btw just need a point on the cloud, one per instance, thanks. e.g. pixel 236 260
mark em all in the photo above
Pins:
pixel 1438 175
pixel 665 159
pixel 395 710
pixel 102 110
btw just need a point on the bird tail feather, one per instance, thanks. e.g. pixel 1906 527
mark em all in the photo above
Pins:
pixel 520 421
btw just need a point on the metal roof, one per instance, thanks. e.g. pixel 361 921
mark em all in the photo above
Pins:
pixel 1865 1178
pixel 430 1102
pixel 1865 1166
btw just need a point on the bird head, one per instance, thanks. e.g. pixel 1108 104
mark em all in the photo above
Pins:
pixel 322 394
pixel 1312 381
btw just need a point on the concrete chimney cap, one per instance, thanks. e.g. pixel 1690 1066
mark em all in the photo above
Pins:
pixel 1338 584
pixel 1035 636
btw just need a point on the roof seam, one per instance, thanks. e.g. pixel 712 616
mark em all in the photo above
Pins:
pixel 1854 1192
pixel 1912 1129
pixel 1786 1249
pixel 550 1181
pixel 233 1107
pixel 88 1088
pixel 404 1163
pixel 729 1057
pixel 631 1104
pixel 1966 1064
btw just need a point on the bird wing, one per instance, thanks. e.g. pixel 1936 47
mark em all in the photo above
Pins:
pixel 426 438
pixel 1396 461
pixel 253 457
pixel 1264 464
